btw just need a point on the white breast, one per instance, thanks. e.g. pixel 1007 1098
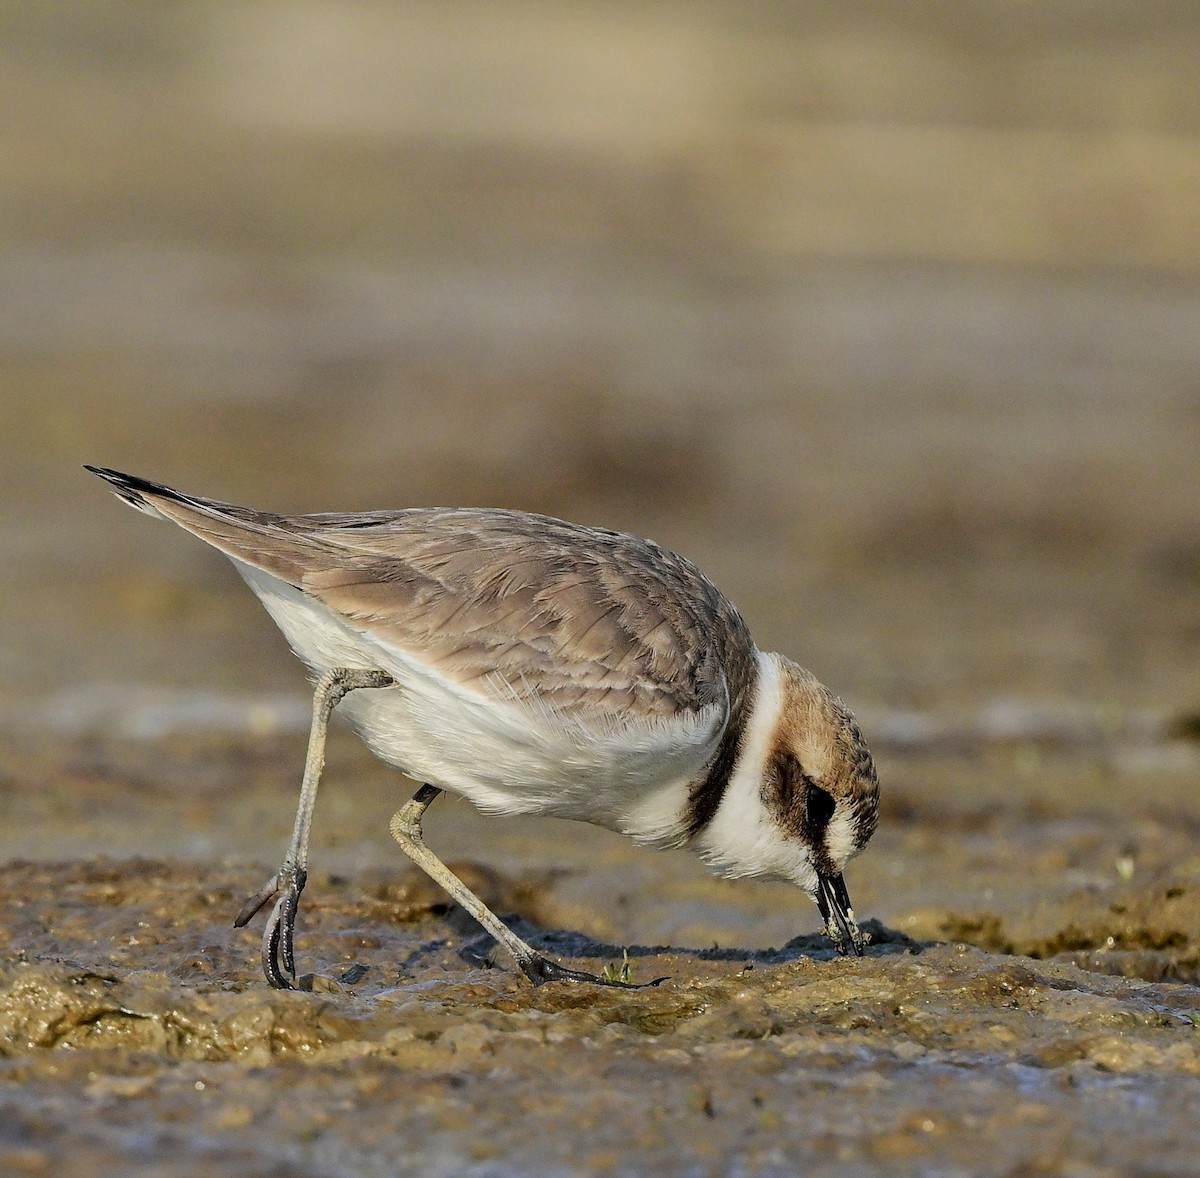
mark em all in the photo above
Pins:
pixel 743 838
pixel 504 756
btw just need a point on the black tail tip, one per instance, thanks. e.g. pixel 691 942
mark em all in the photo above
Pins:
pixel 128 486
pixel 105 472
pixel 120 480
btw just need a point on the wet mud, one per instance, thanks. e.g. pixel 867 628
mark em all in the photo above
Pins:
pixel 1046 1004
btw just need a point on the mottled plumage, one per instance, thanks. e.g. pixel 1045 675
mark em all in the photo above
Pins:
pixel 539 666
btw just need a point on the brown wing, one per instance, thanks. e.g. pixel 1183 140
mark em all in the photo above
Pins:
pixel 591 622
pixel 586 620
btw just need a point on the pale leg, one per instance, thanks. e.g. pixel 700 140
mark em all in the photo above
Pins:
pixel 406 830
pixel 278 956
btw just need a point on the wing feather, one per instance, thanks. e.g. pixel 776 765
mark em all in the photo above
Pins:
pixel 596 624
pixel 601 628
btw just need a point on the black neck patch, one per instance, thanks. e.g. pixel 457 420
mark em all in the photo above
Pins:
pixel 705 795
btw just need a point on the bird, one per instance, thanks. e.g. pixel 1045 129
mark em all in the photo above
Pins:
pixel 541 667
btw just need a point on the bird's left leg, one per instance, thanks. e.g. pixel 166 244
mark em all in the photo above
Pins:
pixel 406 830
pixel 278 955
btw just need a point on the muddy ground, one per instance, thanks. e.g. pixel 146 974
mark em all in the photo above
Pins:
pixel 1029 1003
pixel 885 316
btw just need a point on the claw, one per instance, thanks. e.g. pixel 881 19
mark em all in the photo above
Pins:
pixel 277 944
pixel 272 936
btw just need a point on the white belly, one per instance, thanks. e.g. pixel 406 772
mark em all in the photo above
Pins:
pixel 504 757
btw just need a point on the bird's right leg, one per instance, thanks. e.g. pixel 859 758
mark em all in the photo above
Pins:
pixel 278 954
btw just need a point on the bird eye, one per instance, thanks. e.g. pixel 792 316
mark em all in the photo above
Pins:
pixel 820 805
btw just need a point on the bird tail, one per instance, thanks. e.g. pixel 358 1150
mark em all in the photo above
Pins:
pixel 254 537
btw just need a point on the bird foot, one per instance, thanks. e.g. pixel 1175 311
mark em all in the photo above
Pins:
pixel 278 952
pixel 540 969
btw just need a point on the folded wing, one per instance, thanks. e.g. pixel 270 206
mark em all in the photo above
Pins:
pixel 601 627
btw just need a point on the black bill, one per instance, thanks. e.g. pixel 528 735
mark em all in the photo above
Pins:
pixel 834 903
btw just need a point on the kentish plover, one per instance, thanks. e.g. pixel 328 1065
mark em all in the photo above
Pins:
pixel 542 667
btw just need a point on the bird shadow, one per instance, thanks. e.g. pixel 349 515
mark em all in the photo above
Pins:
pixel 482 949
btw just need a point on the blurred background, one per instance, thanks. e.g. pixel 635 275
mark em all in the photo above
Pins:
pixel 886 314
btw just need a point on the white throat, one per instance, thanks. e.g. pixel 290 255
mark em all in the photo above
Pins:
pixel 742 838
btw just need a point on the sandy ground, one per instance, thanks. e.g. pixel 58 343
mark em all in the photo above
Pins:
pixel 887 319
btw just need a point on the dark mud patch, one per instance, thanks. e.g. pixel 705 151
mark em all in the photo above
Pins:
pixel 136 1034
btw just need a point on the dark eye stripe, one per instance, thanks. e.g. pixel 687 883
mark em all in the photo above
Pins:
pixel 799 803
pixel 819 804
